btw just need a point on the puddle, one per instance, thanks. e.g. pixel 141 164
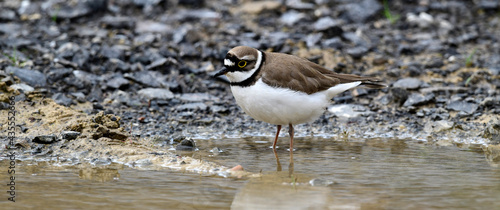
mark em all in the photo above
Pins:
pixel 327 174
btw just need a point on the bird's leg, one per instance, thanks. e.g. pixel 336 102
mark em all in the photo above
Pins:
pixel 291 132
pixel 276 139
pixel 278 164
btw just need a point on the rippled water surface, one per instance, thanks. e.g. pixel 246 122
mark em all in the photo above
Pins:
pixel 326 174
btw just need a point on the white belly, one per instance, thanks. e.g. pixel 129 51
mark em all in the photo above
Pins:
pixel 280 106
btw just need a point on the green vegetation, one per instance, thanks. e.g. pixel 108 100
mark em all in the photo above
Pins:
pixel 388 15
pixel 468 60
pixel 14 58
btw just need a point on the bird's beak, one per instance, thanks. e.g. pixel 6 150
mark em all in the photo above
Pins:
pixel 224 70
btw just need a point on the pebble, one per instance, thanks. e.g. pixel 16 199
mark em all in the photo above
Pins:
pixel 463 106
pixel 156 93
pixel 62 99
pixel 348 110
pixel 361 11
pixel 45 139
pixel 291 17
pixel 408 83
pixel 186 145
pixel 70 135
pixel 31 77
pixel 192 106
pixel 417 99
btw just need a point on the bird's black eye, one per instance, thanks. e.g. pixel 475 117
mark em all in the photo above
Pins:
pixel 242 64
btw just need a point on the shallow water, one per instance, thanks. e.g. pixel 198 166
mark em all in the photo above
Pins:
pixel 327 174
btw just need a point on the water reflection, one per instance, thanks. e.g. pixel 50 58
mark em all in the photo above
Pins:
pixel 325 174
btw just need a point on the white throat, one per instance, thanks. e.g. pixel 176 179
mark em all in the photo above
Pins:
pixel 239 76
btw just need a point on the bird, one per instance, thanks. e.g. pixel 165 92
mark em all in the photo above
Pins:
pixel 283 89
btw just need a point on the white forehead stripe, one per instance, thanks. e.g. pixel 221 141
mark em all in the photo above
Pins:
pixel 228 62
pixel 248 57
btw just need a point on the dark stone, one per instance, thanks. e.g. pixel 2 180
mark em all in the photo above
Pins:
pixel 112 52
pixel 118 22
pixel 326 23
pixel 408 83
pixel 70 135
pixel 417 99
pixel 147 78
pixel 192 106
pixel 399 95
pixel 45 139
pixel 361 11
pixel 357 52
pixel 156 93
pixel 186 145
pixel 466 107
pixel 117 82
pixel 7 14
pixel 62 99
pixel 55 75
pixel 31 77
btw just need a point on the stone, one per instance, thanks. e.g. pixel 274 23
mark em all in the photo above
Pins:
pixel 348 110
pixel 326 23
pixel 31 77
pixel 459 105
pixel 186 145
pixel 147 78
pixel 45 139
pixel 291 17
pixel 62 99
pixel 117 82
pixel 70 135
pixel 192 106
pixel 438 126
pixel 156 93
pixel 23 87
pixel 361 11
pixel 195 97
pixel 258 7
pixel 417 99
pixel 357 52
pixel 149 26
pixel 408 83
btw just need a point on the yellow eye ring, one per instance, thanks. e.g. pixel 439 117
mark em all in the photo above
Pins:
pixel 242 64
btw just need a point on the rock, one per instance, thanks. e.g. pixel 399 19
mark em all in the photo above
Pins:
pixel 62 99
pixel 23 87
pixel 357 52
pixel 196 97
pixel 45 139
pixel 408 83
pixel 117 82
pixel 186 145
pixel 156 93
pixel 417 99
pixel 157 63
pixel 69 135
pixel 492 132
pixel 399 95
pixel 7 14
pixel 459 105
pixel 112 52
pixel 258 7
pixel 81 8
pixel 361 11
pixel 291 17
pixel 10 28
pixel 149 26
pixel 147 78
pixel 438 126
pixel 313 39
pixel 118 22
pixel 192 106
pixel 348 110
pixel 326 23
pixel 31 77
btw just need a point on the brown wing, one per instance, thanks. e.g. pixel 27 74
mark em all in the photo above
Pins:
pixel 300 74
